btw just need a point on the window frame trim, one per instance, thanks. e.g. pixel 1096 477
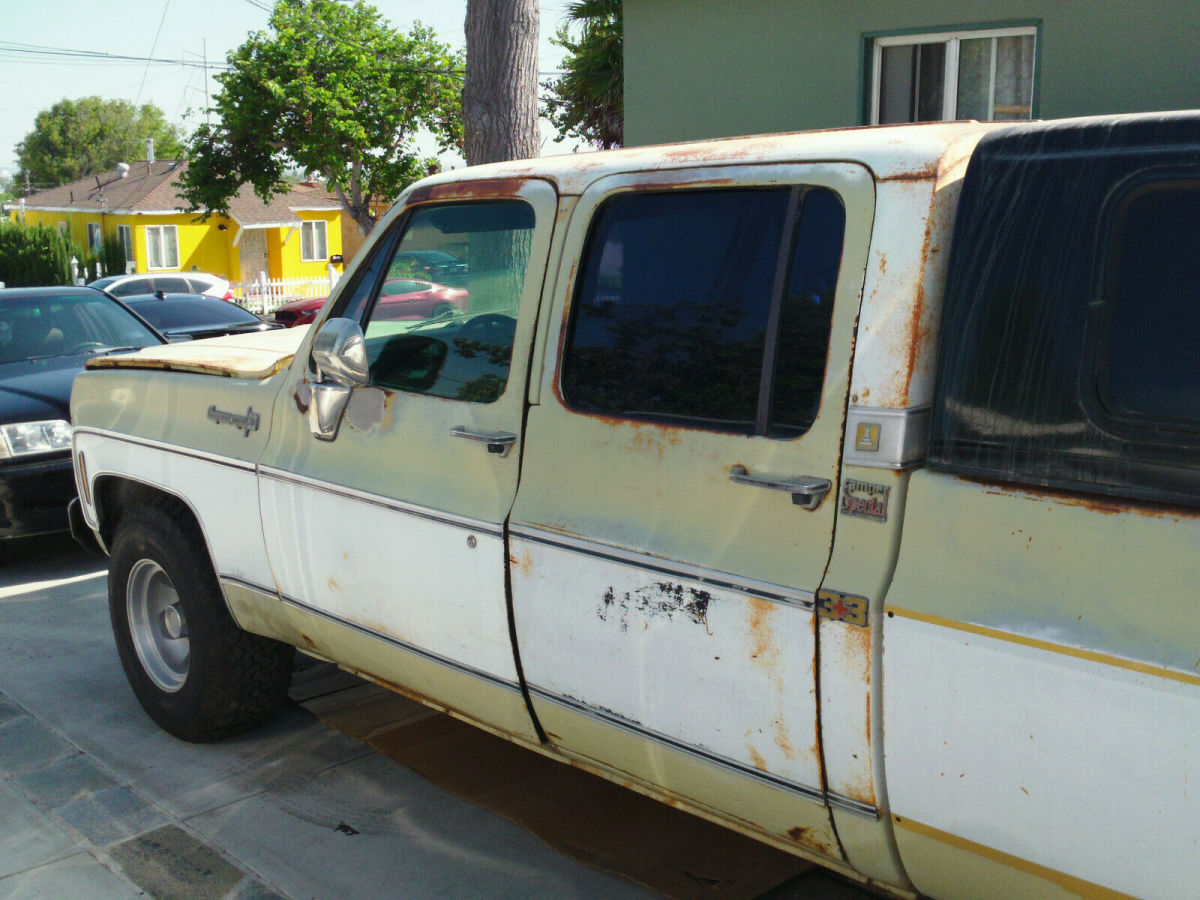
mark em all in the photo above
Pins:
pixel 155 233
pixel 873 43
pixel 122 232
pixel 311 225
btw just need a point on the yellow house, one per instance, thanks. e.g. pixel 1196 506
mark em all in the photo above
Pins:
pixel 293 236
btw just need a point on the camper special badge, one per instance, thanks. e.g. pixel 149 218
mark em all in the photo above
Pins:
pixel 862 498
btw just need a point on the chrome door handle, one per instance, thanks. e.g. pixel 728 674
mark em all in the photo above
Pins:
pixel 498 442
pixel 806 491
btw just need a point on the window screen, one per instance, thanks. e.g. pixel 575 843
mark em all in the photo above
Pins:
pixel 685 296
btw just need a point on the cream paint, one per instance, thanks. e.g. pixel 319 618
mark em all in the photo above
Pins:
pixel 684 647
pixel 366 561
pixel 221 492
pixel 1071 764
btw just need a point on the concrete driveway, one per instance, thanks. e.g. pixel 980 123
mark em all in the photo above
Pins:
pixel 96 801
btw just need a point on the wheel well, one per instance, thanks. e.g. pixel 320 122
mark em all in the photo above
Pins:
pixel 115 496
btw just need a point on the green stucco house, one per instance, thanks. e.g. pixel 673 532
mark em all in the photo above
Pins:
pixel 711 68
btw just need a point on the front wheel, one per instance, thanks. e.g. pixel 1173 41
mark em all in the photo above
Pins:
pixel 196 674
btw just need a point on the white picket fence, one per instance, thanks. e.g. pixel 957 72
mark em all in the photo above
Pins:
pixel 268 294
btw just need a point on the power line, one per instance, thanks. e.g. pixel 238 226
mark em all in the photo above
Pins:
pixel 153 47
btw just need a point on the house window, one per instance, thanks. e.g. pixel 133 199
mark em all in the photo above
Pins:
pixel 162 246
pixel 62 228
pixel 125 233
pixel 313 247
pixel 94 237
pixel 986 75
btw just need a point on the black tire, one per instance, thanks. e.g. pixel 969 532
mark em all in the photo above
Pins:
pixel 196 674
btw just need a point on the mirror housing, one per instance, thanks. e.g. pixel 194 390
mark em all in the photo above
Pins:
pixel 340 353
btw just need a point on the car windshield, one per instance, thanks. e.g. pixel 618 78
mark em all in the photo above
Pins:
pixel 35 326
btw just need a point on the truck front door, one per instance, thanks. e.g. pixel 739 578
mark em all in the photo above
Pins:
pixel 386 533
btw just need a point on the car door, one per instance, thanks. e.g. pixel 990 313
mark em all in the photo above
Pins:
pixel 675 517
pixel 386 533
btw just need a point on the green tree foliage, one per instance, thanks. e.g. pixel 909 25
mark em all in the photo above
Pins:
pixel 77 138
pixel 588 101
pixel 331 89
pixel 34 255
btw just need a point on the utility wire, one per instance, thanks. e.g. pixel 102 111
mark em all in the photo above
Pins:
pixel 153 47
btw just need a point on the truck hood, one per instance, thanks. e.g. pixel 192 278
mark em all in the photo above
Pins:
pixel 254 355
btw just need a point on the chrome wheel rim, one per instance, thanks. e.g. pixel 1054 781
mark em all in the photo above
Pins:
pixel 157 625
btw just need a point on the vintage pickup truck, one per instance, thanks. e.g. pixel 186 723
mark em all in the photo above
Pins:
pixel 842 488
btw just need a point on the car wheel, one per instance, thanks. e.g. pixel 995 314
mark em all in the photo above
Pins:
pixel 196 674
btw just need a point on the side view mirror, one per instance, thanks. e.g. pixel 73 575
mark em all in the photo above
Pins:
pixel 340 354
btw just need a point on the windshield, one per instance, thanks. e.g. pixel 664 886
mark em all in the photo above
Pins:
pixel 67 323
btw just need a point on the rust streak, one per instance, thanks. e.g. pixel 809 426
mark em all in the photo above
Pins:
pixel 1061 497
pixel 524 563
pixel 757 760
pixel 489 188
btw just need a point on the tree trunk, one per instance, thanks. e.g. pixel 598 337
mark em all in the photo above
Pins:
pixel 500 104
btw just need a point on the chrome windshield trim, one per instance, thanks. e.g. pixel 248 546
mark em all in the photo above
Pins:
pixel 477 526
pixel 711 577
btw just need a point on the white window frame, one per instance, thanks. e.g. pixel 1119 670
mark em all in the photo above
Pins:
pixel 62 228
pixel 311 228
pixel 154 241
pixel 125 233
pixel 950 79
pixel 95 236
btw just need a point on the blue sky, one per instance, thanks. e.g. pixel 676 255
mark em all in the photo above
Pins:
pixel 183 30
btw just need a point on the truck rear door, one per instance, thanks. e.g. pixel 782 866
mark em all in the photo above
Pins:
pixel 675 513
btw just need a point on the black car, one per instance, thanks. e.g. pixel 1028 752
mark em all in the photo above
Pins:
pixel 182 316
pixel 46 336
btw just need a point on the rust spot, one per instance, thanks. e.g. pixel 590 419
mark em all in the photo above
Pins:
pixel 476 189
pixel 763 647
pixel 308 640
pixel 810 839
pixel 866 393
pixel 333 584
pixel 924 173
pixel 757 760
pixel 663 599
pixel 524 562
pixel 303 396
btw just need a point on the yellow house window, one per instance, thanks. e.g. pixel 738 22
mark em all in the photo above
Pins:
pixel 94 237
pixel 313 245
pixel 162 246
pixel 125 233
pixel 62 228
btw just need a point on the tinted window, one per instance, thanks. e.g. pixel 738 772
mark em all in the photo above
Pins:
pixel 1149 371
pixel 1071 312
pixel 171 285
pixel 684 296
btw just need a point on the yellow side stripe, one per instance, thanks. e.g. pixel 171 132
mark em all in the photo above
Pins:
pixel 1063 649
pixel 1070 883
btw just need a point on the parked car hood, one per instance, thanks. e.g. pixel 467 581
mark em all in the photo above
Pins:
pixel 38 389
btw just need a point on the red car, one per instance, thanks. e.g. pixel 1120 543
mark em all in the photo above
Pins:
pixel 400 298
